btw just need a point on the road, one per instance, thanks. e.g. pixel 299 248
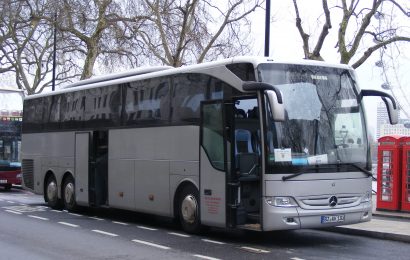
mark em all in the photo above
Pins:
pixel 31 230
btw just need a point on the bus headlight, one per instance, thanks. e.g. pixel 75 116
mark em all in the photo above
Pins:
pixel 366 197
pixel 286 202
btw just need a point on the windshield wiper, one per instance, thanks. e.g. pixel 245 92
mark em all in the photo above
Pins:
pixel 363 170
pixel 284 178
pixel 317 167
pixel 300 172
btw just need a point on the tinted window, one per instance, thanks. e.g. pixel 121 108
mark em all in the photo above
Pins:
pixel 244 71
pixel 71 111
pixel 102 107
pixel 189 90
pixel 33 115
pixel 147 102
pixel 51 114
pixel 212 134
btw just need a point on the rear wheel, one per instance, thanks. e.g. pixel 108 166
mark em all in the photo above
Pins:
pixel 7 187
pixel 51 194
pixel 69 194
pixel 189 210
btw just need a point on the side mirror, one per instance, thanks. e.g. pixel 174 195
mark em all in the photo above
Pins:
pixel 392 111
pixel 274 98
pixel 277 108
pixel 392 108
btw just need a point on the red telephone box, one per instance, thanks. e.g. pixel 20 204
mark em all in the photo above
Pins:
pixel 405 188
pixel 388 173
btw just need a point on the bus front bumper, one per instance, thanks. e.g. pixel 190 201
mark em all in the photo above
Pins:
pixel 10 177
pixel 282 218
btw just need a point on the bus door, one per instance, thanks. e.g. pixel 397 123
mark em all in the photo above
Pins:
pixel 82 151
pixel 218 189
pixel 91 168
pixel 98 175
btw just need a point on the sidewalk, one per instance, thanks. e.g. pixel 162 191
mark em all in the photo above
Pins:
pixel 384 225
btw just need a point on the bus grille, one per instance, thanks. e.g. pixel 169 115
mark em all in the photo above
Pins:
pixel 28 173
pixel 322 202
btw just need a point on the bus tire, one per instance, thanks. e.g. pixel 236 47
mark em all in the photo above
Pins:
pixel 7 187
pixel 51 193
pixel 69 194
pixel 188 206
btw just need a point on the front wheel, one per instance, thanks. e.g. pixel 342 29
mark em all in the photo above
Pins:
pixel 189 210
pixel 69 194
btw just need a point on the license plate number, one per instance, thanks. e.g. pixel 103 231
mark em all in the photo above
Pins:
pixel 3 181
pixel 332 219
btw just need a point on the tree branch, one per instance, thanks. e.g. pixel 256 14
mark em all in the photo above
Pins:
pixel 370 50
pixel 305 36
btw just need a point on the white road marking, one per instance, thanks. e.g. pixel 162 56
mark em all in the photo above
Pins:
pixel 120 223
pixel 26 209
pixel 68 224
pixel 206 257
pixel 14 212
pixel 297 258
pixel 104 233
pixel 74 214
pixel 147 228
pixel 37 217
pixel 255 250
pixel 59 211
pixel 95 218
pixel 22 204
pixel 150 244
pixel 178 234
pixel 213 241
pixel 9 201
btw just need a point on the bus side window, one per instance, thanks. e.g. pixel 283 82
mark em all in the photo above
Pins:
pixel 186 98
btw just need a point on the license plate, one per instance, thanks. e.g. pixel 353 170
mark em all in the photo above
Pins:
pixel 332 219
pixel 3 181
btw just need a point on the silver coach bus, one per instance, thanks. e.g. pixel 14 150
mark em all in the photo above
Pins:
pixel 246 142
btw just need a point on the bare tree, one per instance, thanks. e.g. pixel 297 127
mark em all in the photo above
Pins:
pixel 359 19
pixel 27 44
pixel 178 32
pixel 97 28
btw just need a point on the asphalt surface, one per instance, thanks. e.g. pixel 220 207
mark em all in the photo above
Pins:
pixel 31 230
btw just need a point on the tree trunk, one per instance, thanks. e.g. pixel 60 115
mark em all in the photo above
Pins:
pixel 90 59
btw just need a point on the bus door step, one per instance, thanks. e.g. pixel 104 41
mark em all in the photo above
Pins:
pixel 253 227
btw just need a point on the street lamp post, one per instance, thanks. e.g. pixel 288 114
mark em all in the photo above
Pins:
pixel 53 83
pixel 267 28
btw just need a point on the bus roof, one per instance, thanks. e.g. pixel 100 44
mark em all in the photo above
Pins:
pixel 113 76
pixel 11 89
pixel 158 71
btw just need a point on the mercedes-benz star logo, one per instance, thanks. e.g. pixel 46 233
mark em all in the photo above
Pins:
pixel 332 201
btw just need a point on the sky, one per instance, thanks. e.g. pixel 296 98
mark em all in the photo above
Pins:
pixel 286 44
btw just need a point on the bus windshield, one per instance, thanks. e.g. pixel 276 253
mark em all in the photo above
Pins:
pixel 324 128
pixel 11 106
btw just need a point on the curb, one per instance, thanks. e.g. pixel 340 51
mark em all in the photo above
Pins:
pixel 389 216
pixel 371 233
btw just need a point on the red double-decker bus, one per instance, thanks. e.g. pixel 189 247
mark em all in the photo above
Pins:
pixel 11 110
